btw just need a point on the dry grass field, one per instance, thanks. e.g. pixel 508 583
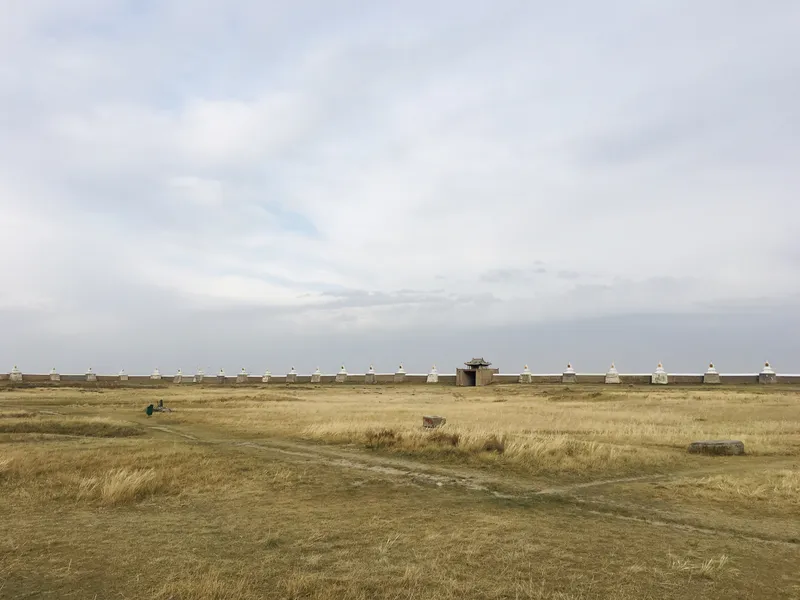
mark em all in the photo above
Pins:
pixel 545 492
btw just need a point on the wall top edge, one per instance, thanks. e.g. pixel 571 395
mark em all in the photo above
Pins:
pixel 441 374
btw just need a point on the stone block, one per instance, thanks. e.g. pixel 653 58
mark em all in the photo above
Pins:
pixel 717 447
pixel 433 421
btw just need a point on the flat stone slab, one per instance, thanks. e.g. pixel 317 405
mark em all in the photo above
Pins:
pixel 717 447
pixel 432 421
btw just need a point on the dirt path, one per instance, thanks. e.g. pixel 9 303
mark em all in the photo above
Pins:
pixel 583 496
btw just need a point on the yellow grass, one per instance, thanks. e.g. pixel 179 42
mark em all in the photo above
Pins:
pixel 120 486
pixel 26 422
pixel 769 487
pixel 535 454
pixel 705 568
pixel 338 492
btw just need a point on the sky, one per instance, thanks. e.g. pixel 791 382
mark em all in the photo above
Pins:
pixel 259 184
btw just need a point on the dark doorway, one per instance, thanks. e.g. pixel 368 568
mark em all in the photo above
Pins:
pixel 470 378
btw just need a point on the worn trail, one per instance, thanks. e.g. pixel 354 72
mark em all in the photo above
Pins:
pixel 581 496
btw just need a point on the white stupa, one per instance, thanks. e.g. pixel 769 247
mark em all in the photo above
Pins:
pixel 123 376
pixel 371 369
pixel 266 377
pixel 526 376
pixel 711 375
pixel 433 376
pixel 612 376
pixel 569 376
pixel 178 377
pixel 371 377
pixel 199 375
pixel 400 374
pixel 316 376
pixel 660 376
pixel 16 374
pixel 767 374
pixel 54 376
pixel 292 371
pixel 400 370
pixel 90 375
pixel 341 376
pixel 156 374
pixel 570 371
pixel 291 376
pixel 242 376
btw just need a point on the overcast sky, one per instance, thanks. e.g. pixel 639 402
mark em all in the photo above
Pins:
pixel 266 184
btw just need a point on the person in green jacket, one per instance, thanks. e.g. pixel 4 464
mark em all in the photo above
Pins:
pixel 149 410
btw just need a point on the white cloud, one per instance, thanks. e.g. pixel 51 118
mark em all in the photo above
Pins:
pixel 245 156
pixel 198 191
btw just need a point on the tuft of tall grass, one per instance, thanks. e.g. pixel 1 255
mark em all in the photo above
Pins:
pixel 381 438
pixel 765 487
pixel 206 586
pixel 532 452
pixel 121 486
pixel 76 426
pixel 708 568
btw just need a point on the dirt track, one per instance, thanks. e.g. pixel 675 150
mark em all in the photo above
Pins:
pixel 605 498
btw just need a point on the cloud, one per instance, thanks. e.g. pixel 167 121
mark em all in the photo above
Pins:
pixel 512 275
pixel 371 172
